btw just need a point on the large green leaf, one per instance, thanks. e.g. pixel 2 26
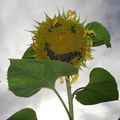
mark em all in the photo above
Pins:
pixel 102 34
pixel 28 76
pixel 29 53
pixel 101 88
pixel 25 114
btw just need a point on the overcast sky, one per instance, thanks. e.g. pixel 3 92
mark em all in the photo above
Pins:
pixel 17 16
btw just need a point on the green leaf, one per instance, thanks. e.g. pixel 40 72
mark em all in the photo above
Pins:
pixel 102 34
pixel 29 53
pixel 28 76
pixel 101 88
pixel 24 114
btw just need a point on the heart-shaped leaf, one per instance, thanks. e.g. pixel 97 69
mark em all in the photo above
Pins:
pixel 101 88
pixel 25 114
pixel 102 34
pixel 28 76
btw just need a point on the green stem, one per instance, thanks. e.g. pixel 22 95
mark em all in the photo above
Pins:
pixel 70 98
pixel 60 98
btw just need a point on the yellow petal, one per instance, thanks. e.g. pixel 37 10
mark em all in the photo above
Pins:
pixel 71 14
pixel 74 78
pixel 91 33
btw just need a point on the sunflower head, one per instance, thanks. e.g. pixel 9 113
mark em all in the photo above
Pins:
pixel 63 38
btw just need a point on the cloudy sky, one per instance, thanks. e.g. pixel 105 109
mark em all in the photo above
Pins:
pixel 17 16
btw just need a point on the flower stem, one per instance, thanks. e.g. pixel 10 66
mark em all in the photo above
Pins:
pixel 70 98
pixel 60 98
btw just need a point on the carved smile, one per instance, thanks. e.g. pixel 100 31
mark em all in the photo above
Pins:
pixel 66 57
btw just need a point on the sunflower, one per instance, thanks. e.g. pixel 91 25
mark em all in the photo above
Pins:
pixel 63 38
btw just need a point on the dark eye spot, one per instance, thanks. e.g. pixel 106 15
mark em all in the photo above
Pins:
pixel 73 30
pixel 57 25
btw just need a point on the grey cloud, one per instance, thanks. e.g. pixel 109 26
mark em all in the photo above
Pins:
pixel 112 17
